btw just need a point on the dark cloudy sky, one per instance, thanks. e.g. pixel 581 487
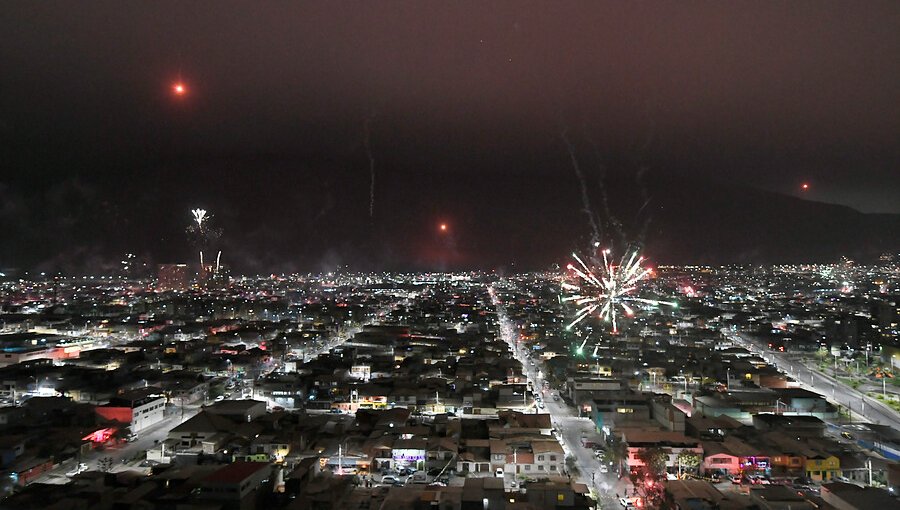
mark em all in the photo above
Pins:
pixel 98 156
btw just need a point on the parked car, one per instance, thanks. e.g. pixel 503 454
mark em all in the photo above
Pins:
pixel 499 473
pixel 77 470
pixel 388 479
pixel 628 502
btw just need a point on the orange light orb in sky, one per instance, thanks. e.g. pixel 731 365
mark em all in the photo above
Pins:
pixel 443 227
pixel 179 89
pixel 804 186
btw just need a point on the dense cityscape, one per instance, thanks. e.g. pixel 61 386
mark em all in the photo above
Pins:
pixel 760 387
pixel 430 255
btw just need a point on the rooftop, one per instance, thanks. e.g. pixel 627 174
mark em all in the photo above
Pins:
pixel 237 472
pixel 861 497
pixel 234 406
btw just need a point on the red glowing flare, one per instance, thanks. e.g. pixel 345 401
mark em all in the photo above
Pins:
pixel 179 89
pixel 804 186
pixel 443 227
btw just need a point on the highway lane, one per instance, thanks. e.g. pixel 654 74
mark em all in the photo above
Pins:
pixel 862 405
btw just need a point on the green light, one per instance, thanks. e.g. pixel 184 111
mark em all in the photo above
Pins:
pixel 580 350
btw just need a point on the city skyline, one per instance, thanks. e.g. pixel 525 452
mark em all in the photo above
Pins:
pixel 506 255
pixel 326 136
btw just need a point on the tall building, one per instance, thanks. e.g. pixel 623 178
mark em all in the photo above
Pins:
pixel 173 277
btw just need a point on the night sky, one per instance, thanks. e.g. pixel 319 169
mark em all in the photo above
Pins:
pixel 696 120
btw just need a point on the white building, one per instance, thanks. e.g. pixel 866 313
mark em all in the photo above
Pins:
pixel 139 408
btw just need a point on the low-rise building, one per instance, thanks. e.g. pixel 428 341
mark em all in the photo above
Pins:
pixel 235 485
pixel 138 409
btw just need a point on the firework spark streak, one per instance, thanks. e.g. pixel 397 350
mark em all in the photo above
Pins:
pixel 199 216
pixel 200 232
pixel 608 288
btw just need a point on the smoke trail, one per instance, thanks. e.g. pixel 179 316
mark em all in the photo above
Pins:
pixel 639 180
pixel 610 218
pixel 368 145
pixel 585 200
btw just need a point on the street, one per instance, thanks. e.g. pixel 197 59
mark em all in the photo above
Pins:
pixel 134 452
pixel 859 403
pixel 571 428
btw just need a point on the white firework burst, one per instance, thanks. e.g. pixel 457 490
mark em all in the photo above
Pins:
pixel 199 216
pixel 608 289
